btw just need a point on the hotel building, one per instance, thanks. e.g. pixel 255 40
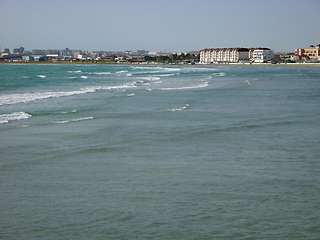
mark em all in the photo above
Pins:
pixel 224 55
pixel 234 55
pixel 309 53
pixel 262 55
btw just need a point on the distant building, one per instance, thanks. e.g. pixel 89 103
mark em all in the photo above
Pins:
pixel 18 50
pixel 312 53
pixel 6 50
pixel 66 51
pixel 52 56
pixel 142 52
pixel 234 55
pixel 39 52
pixel 27 58
pixel 224 55
pixel 53 51
pixel 11 58
pixel 77 55
pixel 262 55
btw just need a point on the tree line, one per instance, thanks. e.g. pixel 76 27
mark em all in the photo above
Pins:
pixel 174 58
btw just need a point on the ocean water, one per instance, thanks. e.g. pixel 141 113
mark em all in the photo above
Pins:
pixel 159 152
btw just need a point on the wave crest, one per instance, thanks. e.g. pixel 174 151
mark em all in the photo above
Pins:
pixel 28 97
pixel 72 120
pixel 5 118
pixel 178 109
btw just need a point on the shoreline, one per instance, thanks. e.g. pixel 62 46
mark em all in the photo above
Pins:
pixel 170 64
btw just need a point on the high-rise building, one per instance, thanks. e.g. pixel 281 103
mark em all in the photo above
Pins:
pixel 18 50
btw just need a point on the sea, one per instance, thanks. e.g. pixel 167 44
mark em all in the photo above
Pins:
pixel 159 151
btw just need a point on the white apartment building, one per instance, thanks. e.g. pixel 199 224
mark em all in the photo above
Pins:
pixel 262 55
pixel 224 55
pixel 234 55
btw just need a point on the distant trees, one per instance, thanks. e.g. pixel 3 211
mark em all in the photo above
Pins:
pixel 183 57
pixel 149 58
pixel 162 58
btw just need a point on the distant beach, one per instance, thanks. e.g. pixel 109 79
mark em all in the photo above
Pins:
pixel 170 64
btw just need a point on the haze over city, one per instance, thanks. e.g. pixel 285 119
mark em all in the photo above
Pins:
pixel 166 25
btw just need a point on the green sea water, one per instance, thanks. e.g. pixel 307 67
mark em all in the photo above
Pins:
pixel 159 152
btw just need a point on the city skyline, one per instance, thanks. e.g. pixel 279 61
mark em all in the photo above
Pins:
pixel 172 26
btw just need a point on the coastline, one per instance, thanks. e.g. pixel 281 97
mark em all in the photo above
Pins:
pixel 169 64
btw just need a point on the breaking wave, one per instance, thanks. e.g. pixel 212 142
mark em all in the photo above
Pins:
pixel 146 81
pixel 73 111
pixel 5 118
pixel 101 73
pixel 72 120
pixel 178 109
pixel 220 74
pixel 202 85
pixel 165 75
pixel 32 96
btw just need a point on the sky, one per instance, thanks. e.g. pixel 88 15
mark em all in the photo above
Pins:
pixel 159 25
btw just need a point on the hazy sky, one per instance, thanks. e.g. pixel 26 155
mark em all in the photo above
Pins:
pixel 159 25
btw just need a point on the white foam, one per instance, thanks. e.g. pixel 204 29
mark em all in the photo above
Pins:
pixel 164 75
pixel 148 72
pixel 178 109
pixel 130 95
pixel 144 68
pixel 247 82
pixel 220 74
pixel 156 69
pixel 199 69
pixel 145 81
pixel 73 111
pixel 202 85
pixel 28 97
pixel 84 77
pixel 151 79
pixel 78 71
pixel 73 120
pixel 122 71
pixel 172 69
pixel 5 118
pixel 41 76
pixel 102 73
pixel 24 126
pixel 116 87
